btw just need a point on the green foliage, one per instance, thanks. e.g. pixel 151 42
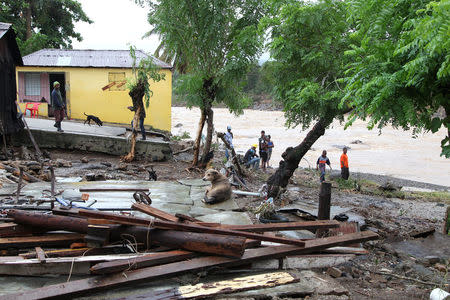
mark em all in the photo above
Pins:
pixel 400 64
pixel 308 43
pixel 184 136
pixel 143 72
pixel 218 40
pixel 52 22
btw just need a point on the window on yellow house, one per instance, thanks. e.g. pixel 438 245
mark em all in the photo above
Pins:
pixel 117 81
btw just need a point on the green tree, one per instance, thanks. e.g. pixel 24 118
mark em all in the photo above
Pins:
pixel 43 23
pixel 400 69
pixel 218 40
pixel 308 41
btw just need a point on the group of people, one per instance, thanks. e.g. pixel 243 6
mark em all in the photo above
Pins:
pixel 323 161
pixel 265 145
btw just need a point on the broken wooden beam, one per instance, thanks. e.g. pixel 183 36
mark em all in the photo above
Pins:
pixel 12 229
pixel 83 286
pixel 154 212
pixel 305 225
pixel 148 260
pixel 57 239
pixel 48 222
pixel 215 230
pixel 121 219
pixel 210 289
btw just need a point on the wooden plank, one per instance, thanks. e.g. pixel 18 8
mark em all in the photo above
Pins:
pixel 306 225
pixel 83 286
pixel 215 230
pixel 57 239
pixel 154 212
pixel 92 190
pixel 12 229
pixel 121 219
pixel 40 254
pixel 210 289
pixel 78 252
pixel 149 260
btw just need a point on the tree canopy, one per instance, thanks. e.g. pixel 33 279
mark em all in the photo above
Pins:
pixel 43 23
pixel 400 64
pixel 218 40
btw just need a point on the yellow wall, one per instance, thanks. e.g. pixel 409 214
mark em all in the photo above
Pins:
pixel 84 94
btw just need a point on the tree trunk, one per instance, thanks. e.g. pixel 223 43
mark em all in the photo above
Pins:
pixel 292 156
pixel 201 124
pixel 136 94
pixel 209 132
pixel 28 20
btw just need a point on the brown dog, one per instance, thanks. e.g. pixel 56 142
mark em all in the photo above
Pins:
pixel 220 189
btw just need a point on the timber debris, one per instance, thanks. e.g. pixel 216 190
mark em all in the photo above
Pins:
pixel 104 245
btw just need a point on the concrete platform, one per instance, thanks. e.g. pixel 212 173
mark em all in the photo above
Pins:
pixel 77 136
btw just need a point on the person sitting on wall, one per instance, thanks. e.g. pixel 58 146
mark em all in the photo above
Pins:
pixel 58 106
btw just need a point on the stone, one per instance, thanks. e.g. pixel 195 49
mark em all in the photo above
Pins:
pixel 84 160
pixel 63 163
pixel 304 262
pixel 334 272
pixel 228 217
pixel 105 163
pixel 122 167
pixel 178 125
pixel 440 268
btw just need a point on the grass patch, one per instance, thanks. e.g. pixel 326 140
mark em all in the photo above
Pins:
pixel 185 135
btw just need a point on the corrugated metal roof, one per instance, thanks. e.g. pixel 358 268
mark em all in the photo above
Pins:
pixel 87 58
pixel 4 28
pixel 8 33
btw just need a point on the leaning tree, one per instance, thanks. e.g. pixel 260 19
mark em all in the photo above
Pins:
pixel 218 40
pixel 144 72
pixel 308 41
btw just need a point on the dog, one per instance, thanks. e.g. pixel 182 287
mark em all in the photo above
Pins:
pixel 152 174
pixel 94 119
pixel 220 189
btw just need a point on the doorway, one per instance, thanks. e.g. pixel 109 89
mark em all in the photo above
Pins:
pixel 60 77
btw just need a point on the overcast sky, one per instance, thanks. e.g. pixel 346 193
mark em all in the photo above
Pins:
pixel 117 24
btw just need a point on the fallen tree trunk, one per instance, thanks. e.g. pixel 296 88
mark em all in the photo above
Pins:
pixel 221 135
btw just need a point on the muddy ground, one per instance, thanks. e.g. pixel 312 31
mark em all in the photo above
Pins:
pixel 392 270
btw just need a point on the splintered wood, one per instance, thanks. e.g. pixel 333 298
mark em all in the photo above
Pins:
pixel 121 250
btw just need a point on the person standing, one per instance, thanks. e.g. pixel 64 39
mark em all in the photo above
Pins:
pixel 229 139
pixel 269 149
pixel 142 116
pixel 344 164
pixel 251 159
pixel 322 161
pixel 58 105
pixel 261 142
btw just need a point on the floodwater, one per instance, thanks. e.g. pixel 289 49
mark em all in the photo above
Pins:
pixel 395 152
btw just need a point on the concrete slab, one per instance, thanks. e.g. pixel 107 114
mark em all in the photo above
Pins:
pixel 197 211
pixel 104 140
pixel 228 217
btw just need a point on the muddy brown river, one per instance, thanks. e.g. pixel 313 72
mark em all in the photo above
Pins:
pixel 393 152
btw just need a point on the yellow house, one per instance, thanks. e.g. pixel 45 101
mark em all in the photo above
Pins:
pixel 92 82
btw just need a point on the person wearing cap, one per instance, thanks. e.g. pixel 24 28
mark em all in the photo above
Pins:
pixel 58 105
pixel 229 139
pixel 251 158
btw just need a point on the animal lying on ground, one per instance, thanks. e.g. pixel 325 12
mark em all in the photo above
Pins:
pixel 94 119
pixel 220 189
pixel 152 174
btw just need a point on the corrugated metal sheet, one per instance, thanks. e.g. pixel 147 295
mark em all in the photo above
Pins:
pixel 87 58
pixel 4 28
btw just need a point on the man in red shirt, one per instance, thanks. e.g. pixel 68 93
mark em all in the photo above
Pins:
pixel 344 164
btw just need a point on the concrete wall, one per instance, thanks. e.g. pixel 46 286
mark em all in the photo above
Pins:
pixel 85 95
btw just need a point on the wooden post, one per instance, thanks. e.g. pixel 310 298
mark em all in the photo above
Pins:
pixel 52 186
pixel 324 201
pixel 19 184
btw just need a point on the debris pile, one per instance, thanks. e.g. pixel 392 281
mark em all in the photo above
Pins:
pixel 121 249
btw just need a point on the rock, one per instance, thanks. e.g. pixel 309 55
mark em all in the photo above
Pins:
pixel 178 125
pixel 389 186
pixel 89 177
pixel 440 268
pixel 334 272
pixel 63 163
pixel 356 142
pixel 105 163
pixel 122 167
pixel 431 260
pixel 84 160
